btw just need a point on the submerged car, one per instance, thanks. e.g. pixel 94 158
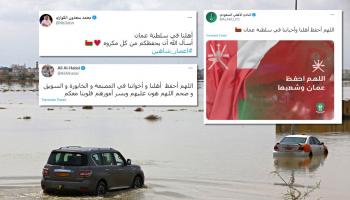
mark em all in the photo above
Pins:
pixel 89 170
pixel 299 145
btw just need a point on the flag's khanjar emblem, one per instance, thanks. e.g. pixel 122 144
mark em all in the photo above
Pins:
pixel 217 56
pixel 318 65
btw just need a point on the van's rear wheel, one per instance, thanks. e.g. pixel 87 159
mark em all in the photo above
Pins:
pixel 138 182
pixel 101 188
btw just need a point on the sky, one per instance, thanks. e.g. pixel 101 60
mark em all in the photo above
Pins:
pixel 19 24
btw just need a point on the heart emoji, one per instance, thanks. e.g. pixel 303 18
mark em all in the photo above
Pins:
pixel 97 42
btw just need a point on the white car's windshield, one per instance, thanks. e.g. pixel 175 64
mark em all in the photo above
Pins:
pixel 293 140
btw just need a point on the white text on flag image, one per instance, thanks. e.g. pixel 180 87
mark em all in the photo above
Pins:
pixel 273 66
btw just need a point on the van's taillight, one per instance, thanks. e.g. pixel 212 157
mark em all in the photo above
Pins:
pixel 45 172
pixel 276 147
pixel 85 173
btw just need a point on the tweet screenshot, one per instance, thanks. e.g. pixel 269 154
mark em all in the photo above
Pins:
pixel 112 84
pixel 118 33
pixel 273 66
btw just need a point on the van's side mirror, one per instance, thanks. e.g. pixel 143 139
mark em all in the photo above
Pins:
pixel 128 162
pixel 322 143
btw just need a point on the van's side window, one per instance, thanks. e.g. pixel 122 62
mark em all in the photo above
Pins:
pixel 97 158
pixel 107 158
pixel 119 159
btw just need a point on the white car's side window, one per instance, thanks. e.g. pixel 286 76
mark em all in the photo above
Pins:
pixel 317 141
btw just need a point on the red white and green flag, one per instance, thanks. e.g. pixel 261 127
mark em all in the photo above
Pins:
pixel 254 79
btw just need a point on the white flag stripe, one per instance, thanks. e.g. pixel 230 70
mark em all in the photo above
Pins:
pixel 250 52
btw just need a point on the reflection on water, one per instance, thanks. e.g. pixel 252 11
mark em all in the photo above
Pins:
pixel 306 164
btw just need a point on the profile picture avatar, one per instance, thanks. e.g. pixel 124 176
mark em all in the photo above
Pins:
pixel 46 20
pixel 47 70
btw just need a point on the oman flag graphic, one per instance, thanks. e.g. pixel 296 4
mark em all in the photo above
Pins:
pixel 266 80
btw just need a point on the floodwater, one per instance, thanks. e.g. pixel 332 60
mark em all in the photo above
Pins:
pixel 181 157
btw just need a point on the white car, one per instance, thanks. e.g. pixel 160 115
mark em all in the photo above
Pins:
pixel 299 145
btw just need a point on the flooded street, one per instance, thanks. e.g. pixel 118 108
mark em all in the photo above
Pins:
pixel 181 157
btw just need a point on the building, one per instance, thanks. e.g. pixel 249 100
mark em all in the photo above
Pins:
pixel 18 70
pixel 5 73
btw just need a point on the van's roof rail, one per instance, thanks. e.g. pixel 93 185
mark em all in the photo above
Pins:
pixel 70 147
